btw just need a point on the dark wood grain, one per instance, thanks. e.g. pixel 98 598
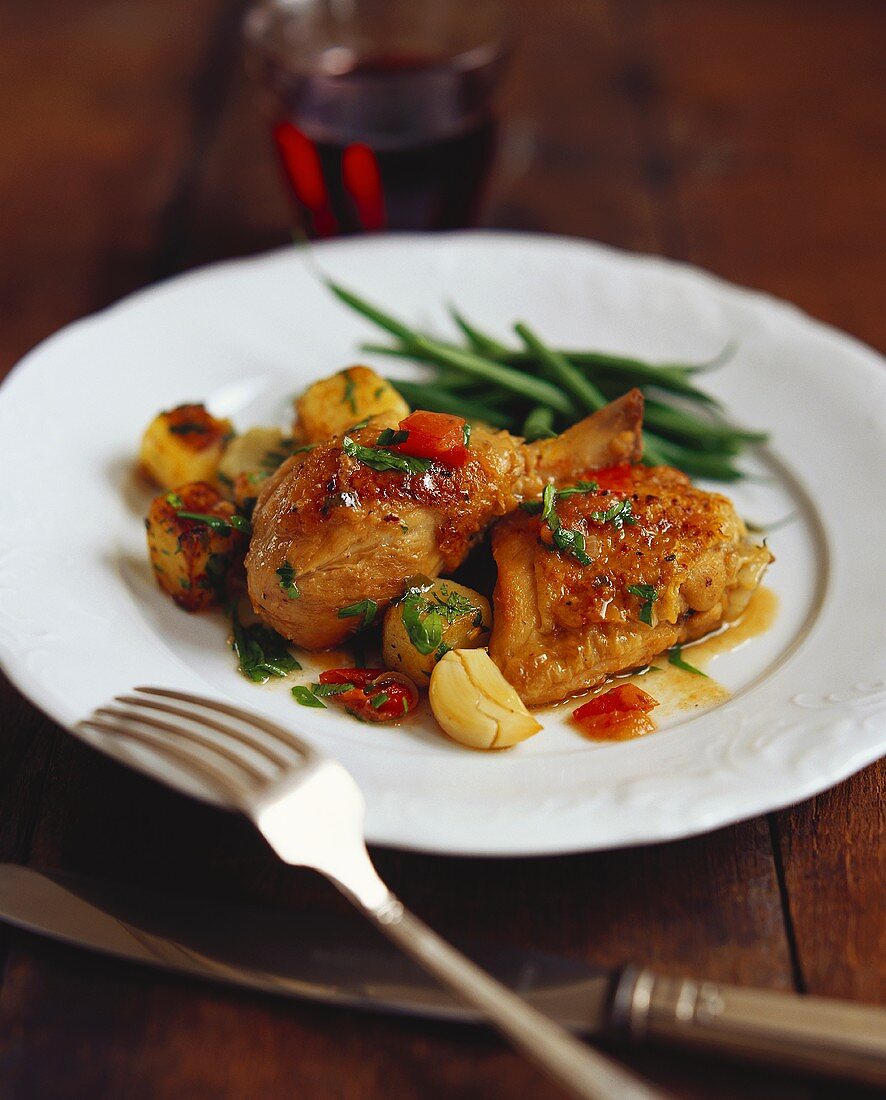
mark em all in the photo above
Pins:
pixel 737 134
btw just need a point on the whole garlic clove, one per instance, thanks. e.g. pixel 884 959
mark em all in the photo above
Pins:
pixel 474 703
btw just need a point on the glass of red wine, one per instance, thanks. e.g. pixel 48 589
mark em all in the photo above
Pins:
pixel 382 110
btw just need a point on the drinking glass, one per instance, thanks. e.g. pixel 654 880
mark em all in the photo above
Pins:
pixel 382 111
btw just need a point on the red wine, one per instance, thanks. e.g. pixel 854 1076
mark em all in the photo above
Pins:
pixel 390 142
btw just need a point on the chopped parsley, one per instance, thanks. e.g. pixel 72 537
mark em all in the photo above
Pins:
pixel 425 616
pixel 466 434
pixel 390 438
pixel 261 651
pixel 551 495
pixel 367 608
pixel 648 595
pixel 350 396
pixel 675 657
pixel 306 697
pixel 216 576
pixel 286 573
pixel 324 690
pixel 174 501
pixel 381 460
pixel 618 515
pixel 222 525
pixel 568 542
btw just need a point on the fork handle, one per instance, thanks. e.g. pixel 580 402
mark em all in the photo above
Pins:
pixel 581 1070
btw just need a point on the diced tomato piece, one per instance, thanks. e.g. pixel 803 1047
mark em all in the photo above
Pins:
pixel 618 479
pixel 618 713
pixel 358 676
pixel 437 436
pixel 376 695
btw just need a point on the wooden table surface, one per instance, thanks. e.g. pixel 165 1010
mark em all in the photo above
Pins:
pixel 742 135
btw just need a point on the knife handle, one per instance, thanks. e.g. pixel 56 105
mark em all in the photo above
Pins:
pixel 811 1034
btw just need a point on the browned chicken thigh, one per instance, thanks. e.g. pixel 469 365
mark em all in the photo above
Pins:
pixel 657 562
pixel 329 531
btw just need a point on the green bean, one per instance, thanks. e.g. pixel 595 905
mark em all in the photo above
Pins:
pixel 518 382
pixel 668 419
pixel 539 424
pixel 481 342
pixel 632 371
pixel 652 455
pixel 694 462
pixel 371 312
pixel 561 370
pixel 720 359
pixel 488 381
pixel 421 396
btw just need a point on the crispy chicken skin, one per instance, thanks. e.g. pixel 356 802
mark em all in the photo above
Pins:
pixel 560 627
pixel 352 533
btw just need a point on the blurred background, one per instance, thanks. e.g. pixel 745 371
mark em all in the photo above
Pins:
pixel 743 135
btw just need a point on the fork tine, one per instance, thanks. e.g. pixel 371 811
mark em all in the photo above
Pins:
pixel 136 701
pixel 193 763
pixel 279 732
pixel 180 733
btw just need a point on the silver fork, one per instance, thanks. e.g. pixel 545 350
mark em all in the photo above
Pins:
pixel 311 812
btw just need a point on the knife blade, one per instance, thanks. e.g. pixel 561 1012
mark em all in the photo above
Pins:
pixel 290 953
pixel 350 964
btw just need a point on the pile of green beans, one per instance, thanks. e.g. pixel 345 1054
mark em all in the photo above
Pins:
pixel 536 391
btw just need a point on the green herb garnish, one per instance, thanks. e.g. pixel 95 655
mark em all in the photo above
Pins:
pixel 322 691
pixel 367 608
pixel 174 500
pixel 350 392
pixel 423 622
pixel 648 595
pixel 675 657
pixel 551 495
pixel 306 697
pixel 466 434
pixel 380 699
pixel 390 438
pixel 571 543
pixel 425 616
pixel 261 651
pixel 618 515
pixel 222 525
pixel 381 460
pixel 286 573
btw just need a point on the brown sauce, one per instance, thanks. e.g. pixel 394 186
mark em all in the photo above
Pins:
pixel 678 690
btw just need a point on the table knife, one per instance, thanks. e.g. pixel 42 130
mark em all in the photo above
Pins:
pixel 339 962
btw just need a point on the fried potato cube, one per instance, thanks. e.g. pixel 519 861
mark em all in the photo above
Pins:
pixel 196 561
pixel 332 405
pixel 184 445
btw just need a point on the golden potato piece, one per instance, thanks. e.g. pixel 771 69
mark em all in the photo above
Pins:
pixel 474 703
pixel 184 445
pixel 333 405
pixel 195 561
pixel 432 618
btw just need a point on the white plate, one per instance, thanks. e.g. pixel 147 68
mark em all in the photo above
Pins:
pixel 81 620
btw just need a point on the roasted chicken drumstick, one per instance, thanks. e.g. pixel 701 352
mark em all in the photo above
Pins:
pixel 329 530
